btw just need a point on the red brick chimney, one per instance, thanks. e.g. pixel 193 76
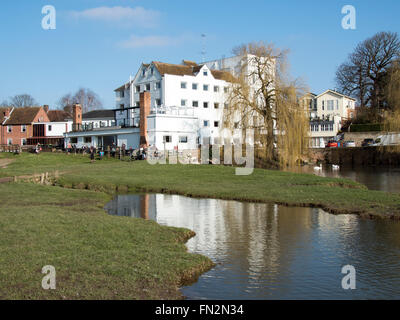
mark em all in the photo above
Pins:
pixel 145 104
pixel 6 112
pixel 46 108
pixel 76 117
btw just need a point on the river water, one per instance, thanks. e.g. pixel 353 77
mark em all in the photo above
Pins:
pixel 382 178
pixel 265 251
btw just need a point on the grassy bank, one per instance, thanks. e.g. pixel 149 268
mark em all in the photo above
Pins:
pixel 96 256
pixel 334 195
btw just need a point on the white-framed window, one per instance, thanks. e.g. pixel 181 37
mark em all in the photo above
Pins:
pixel 137 104
pixel 23 128
pixel 148 87
pixel 226 89
pixel 206 123
pixel 195 104
pixel 137 89
pixel 122 94
pixel 87 139
pixel 9 129
pixel 337 104
pixel 205 87
pixel 152 70
pixel 9 142
pixel 23 142
pixel 183 103
pixel 49 127
pixel 216 105
pixel 158 102
pixel 205 73
pixel 157 85
pixel 205 104
pixel 167 139
pixel 216 124
pixel 183 139
pixel 194 86
pixel 330 105
pixel 183 85
pixel 216 89
pixel 331 127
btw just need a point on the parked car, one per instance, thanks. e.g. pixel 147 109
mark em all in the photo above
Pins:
pixel 367 142
pixel 377 142
pixel 349 144
pixel 332 144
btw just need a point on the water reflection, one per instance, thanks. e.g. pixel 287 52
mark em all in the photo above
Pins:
pixel 272 252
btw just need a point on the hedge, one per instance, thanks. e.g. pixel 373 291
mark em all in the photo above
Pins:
pixel 366 127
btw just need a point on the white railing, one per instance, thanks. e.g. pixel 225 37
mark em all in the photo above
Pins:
pixel 172 110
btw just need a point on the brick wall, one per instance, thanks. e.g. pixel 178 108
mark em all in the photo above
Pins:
pixel 16 134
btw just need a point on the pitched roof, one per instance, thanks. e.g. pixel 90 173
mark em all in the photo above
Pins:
pixel 174 69
pixel 24 115
pixel 98 114
pixel 337 93
pixel 189 63
pixel 190 69
pixel 58 115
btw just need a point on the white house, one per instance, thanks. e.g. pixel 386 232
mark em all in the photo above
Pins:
pixel 169 106
pixel 187 103
pixel 328 112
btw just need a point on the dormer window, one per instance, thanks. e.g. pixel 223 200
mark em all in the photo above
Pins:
pixel 143 72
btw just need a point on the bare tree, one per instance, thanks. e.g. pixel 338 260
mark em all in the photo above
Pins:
pixel 4 103
pixel 22 100
pixel 363 75
pixel 88 99
pixel 265 99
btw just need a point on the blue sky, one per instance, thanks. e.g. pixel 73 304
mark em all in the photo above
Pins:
pixel 99 43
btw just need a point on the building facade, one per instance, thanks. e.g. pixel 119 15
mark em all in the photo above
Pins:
pixel 21 124
pixel 327 112
pixel 172 107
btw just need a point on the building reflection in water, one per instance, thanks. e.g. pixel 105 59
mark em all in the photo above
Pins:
pixel 267 251
pixel 135 206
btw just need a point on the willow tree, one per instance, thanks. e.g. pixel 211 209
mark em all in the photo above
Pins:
pixel 265 99
pixel 392 92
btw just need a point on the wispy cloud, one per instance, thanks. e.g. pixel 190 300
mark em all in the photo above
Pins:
pixel 121 15
pixel 151 41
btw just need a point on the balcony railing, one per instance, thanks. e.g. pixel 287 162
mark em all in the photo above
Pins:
pixel 123 123
pixel 173 110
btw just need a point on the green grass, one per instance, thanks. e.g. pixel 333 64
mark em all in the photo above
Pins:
pixel 334 195
pixel 96 256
